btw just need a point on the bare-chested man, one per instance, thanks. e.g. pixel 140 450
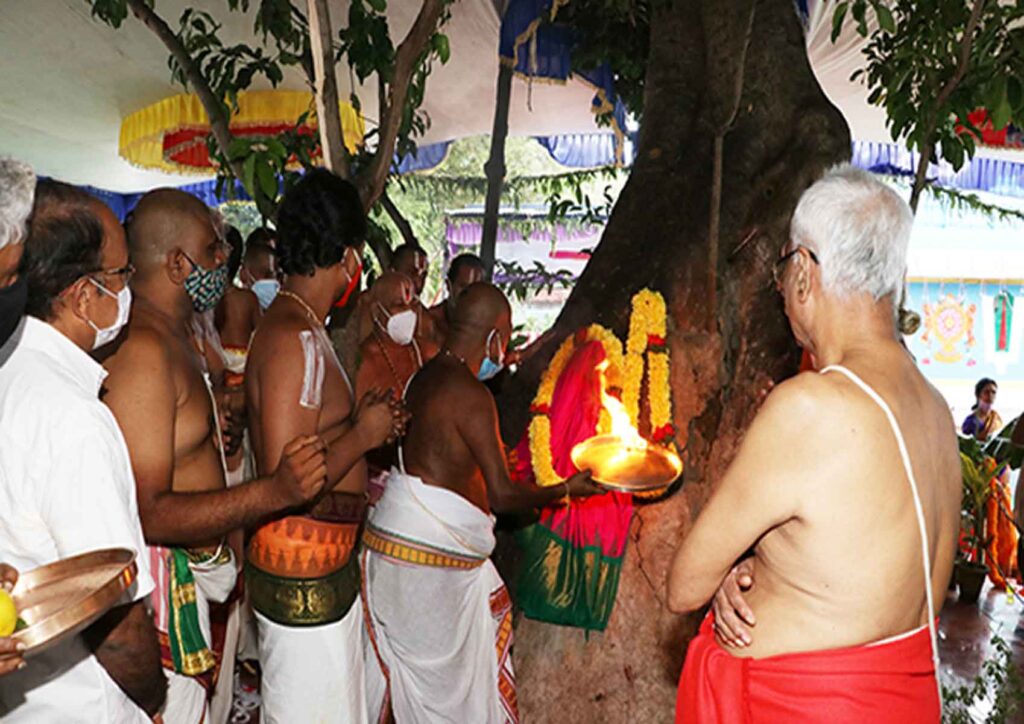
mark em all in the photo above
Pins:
pixel 302 577
pixel 390 355
pixel 465 269
pixel 157 392
pixel 853 532
pixel 238 312
pixel 432 533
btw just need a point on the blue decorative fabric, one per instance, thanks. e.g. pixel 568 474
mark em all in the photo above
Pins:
pixel 424 158
pixel 538 48
pixel 996 176
pixel 584 150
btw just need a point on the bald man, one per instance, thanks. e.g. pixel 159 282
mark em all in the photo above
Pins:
pixel 390 355
pixel 158 391
pixel 432 532
pixel 464 270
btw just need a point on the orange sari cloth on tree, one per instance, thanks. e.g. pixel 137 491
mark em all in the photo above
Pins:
pixel 1001 551
pixel 891 682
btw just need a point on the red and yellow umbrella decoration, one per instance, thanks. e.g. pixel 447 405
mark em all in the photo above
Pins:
pixel 170 135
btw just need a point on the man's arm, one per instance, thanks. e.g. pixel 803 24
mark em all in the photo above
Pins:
pixel 124 641
pixel 477 423
pixel 143 397
pixel 757 492
pixel 90 505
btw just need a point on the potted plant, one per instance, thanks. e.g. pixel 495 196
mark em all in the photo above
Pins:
pixel 970 570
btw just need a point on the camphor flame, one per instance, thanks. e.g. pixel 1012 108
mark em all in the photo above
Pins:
pixel 622 426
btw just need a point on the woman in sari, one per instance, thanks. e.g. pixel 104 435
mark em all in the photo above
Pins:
pixel 984 421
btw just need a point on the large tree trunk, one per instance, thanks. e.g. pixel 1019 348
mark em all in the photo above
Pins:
pixel 784 135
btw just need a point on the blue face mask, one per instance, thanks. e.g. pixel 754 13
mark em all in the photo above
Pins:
pixel 265 291
pixel 489 368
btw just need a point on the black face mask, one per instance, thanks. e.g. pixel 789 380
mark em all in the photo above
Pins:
pixel 12 307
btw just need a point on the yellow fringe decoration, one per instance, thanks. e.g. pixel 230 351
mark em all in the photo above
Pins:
pixel 142 132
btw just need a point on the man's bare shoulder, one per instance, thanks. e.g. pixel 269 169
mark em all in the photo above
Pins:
pixel 143 348
pixel 278 334
pixel 240 302
pixel 445 378
pixel 801 402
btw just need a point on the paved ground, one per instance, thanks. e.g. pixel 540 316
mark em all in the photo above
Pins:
pixel 965 633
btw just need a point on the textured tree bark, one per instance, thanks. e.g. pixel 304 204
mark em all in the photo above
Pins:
pixel 784 134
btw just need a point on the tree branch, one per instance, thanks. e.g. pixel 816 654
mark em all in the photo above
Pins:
pixel 495 170
pixel 404 227
pixel 371 180
pixel 944 95
pixel 214 106
pixel 332 141
pixel 723 112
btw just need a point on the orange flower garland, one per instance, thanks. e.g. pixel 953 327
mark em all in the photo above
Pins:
pixel 646 350
pixel 540 426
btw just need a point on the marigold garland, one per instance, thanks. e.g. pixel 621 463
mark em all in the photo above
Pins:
pixel 540 426
pixel 646 351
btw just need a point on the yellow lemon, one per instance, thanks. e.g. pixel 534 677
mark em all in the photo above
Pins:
pixel 8 614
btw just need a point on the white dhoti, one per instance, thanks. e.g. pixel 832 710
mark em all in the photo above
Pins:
pixel 214 580
pixel 313 673
pixel 439 615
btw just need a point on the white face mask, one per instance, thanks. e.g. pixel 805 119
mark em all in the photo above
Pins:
pixel 401 327
pixel 124 308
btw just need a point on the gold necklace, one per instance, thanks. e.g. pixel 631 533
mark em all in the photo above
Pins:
pixel 302 302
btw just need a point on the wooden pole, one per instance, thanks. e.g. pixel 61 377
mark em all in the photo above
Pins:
pixel 332 142
pixel 495 169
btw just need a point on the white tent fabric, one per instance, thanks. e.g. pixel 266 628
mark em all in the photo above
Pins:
pixel 834 63
pixel 68 80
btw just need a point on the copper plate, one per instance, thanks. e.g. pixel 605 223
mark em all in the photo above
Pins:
pixel 615 465
pixel 60 599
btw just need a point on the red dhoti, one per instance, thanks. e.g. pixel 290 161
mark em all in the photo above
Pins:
pixel 887 682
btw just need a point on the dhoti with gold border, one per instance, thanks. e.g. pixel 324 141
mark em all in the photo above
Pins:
pixel 439 616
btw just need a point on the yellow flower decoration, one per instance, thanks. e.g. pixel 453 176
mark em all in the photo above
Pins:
pixel 646 351
pixel 540 426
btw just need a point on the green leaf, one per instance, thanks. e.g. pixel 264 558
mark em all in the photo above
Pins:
pixel 837 20
pixel 267 177
pixel 442 47
pixel 378 5
pixel 1014 93
pixel 885 19
pixel 238 148
pixel 999 108
pixel 249 175
pixel 277 149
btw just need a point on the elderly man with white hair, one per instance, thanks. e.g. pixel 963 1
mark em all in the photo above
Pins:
pixel 846 487
pixel 17 187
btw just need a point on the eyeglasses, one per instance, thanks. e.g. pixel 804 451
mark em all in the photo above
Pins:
pixel 780 264
pixel 125 272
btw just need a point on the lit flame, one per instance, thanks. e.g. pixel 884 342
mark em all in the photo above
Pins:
pixel 622 427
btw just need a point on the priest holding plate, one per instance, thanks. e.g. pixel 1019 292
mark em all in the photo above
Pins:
pixel 444 652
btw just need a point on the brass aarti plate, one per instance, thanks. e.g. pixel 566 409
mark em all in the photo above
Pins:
pixel 60 599
pixel 618 466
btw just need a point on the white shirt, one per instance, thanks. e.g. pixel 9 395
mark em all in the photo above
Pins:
pixel 66 487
